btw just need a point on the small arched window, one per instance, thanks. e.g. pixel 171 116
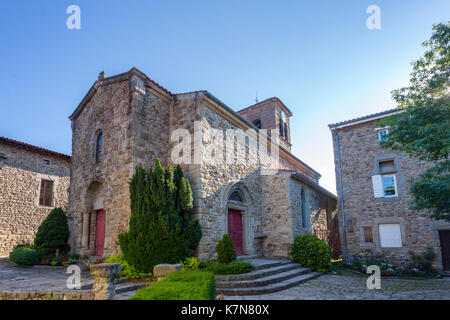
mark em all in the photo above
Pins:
pixel 236 196
pixel 98 147
pixel 257 123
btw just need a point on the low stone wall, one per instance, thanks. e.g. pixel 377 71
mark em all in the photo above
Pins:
pixel 103 287
pixel 47 295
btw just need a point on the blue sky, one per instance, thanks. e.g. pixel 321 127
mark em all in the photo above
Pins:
pixel 318 57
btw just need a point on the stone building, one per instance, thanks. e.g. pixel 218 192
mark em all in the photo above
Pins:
pixel 372 185
pixel 33 181
pixel 128 120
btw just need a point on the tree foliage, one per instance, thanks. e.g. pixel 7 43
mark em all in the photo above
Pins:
pixel 225 252
pixel 53 233
pixel 422 129
pixel 161 229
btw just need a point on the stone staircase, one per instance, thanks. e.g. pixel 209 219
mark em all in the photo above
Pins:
pixel 268 275
pixel 122 285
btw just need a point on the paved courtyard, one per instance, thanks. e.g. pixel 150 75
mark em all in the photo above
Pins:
pixel 348 286
pixel 14 278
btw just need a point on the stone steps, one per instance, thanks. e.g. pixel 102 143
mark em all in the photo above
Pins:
pixel 256 274
pixel 122 285
pixel 128 286
pixel 274 287
pixel 268 276
pixel 264 281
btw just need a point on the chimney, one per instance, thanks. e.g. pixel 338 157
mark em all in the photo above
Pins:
pixel 102 75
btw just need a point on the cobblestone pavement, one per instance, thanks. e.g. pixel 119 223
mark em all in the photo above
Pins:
pixel 14 278
pixel 353 287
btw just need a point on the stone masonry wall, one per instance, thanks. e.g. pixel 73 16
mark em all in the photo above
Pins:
pixel 360 151
pixel 217 181
pixel 20 181
pixel 107 111
pixel 283 212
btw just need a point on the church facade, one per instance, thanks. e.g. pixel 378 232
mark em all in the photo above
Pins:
pixel 128 120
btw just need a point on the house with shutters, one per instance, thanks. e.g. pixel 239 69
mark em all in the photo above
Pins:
pixel 373 199
pixel 128 120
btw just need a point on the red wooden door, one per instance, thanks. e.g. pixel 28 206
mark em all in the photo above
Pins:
pixel 100 232
pixel 235 229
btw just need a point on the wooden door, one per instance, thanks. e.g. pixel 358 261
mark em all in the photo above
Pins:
pixel 100 232
pixel 445 248
pixel 235 229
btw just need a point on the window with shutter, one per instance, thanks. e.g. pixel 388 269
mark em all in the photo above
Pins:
pixel 390 235
pixel 46 193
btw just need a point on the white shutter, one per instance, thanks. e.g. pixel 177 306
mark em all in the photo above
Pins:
pixel 390 235
pixel 377 186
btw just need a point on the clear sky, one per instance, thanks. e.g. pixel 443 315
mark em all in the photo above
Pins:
pixel 318 57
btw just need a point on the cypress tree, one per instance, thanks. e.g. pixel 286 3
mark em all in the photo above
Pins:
pixel 161 229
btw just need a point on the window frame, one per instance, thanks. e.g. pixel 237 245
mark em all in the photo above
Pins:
pixel 98 151
pixel 43 193
pixel 399 235
pixel 379 136
pixel 395 185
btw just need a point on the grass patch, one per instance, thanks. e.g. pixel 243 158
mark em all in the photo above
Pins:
pixel 180 285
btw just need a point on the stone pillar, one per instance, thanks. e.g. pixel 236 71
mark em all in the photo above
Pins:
pixel 105 275
pixel 85 232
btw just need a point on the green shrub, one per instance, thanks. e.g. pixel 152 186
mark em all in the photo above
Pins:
pixel 424 261
pixel 181 285
pixel 161 229
pixel 190 264
pixel 312 252
pixel 53 233
pixel 235 267
pixel 25 256
pixel 225 251
pixel 126 270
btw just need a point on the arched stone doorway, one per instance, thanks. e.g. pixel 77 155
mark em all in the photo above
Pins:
pixel 238 219
pixel 94 221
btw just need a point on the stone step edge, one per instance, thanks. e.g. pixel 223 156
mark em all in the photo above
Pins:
pixel 256 274
pixel 131 287
pixel 118 282
pixel 270 288
pixel 270 265
pixel 265 281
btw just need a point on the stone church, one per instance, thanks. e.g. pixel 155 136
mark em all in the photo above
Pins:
pixel 128 120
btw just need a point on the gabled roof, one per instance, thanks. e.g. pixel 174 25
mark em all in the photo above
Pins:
pixel 264 102
pixel 32 148
pixel 367 118
pixel 119 77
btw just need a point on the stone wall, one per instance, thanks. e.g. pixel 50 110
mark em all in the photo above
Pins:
pixel 107 111
pixel 360 151
pixel 217 180
pixel 284 211
pixel 47 295
pixel 20 181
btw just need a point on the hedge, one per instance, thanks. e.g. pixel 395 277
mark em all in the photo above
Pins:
pixel 25 256
pixel 180 285
pixel 235 267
